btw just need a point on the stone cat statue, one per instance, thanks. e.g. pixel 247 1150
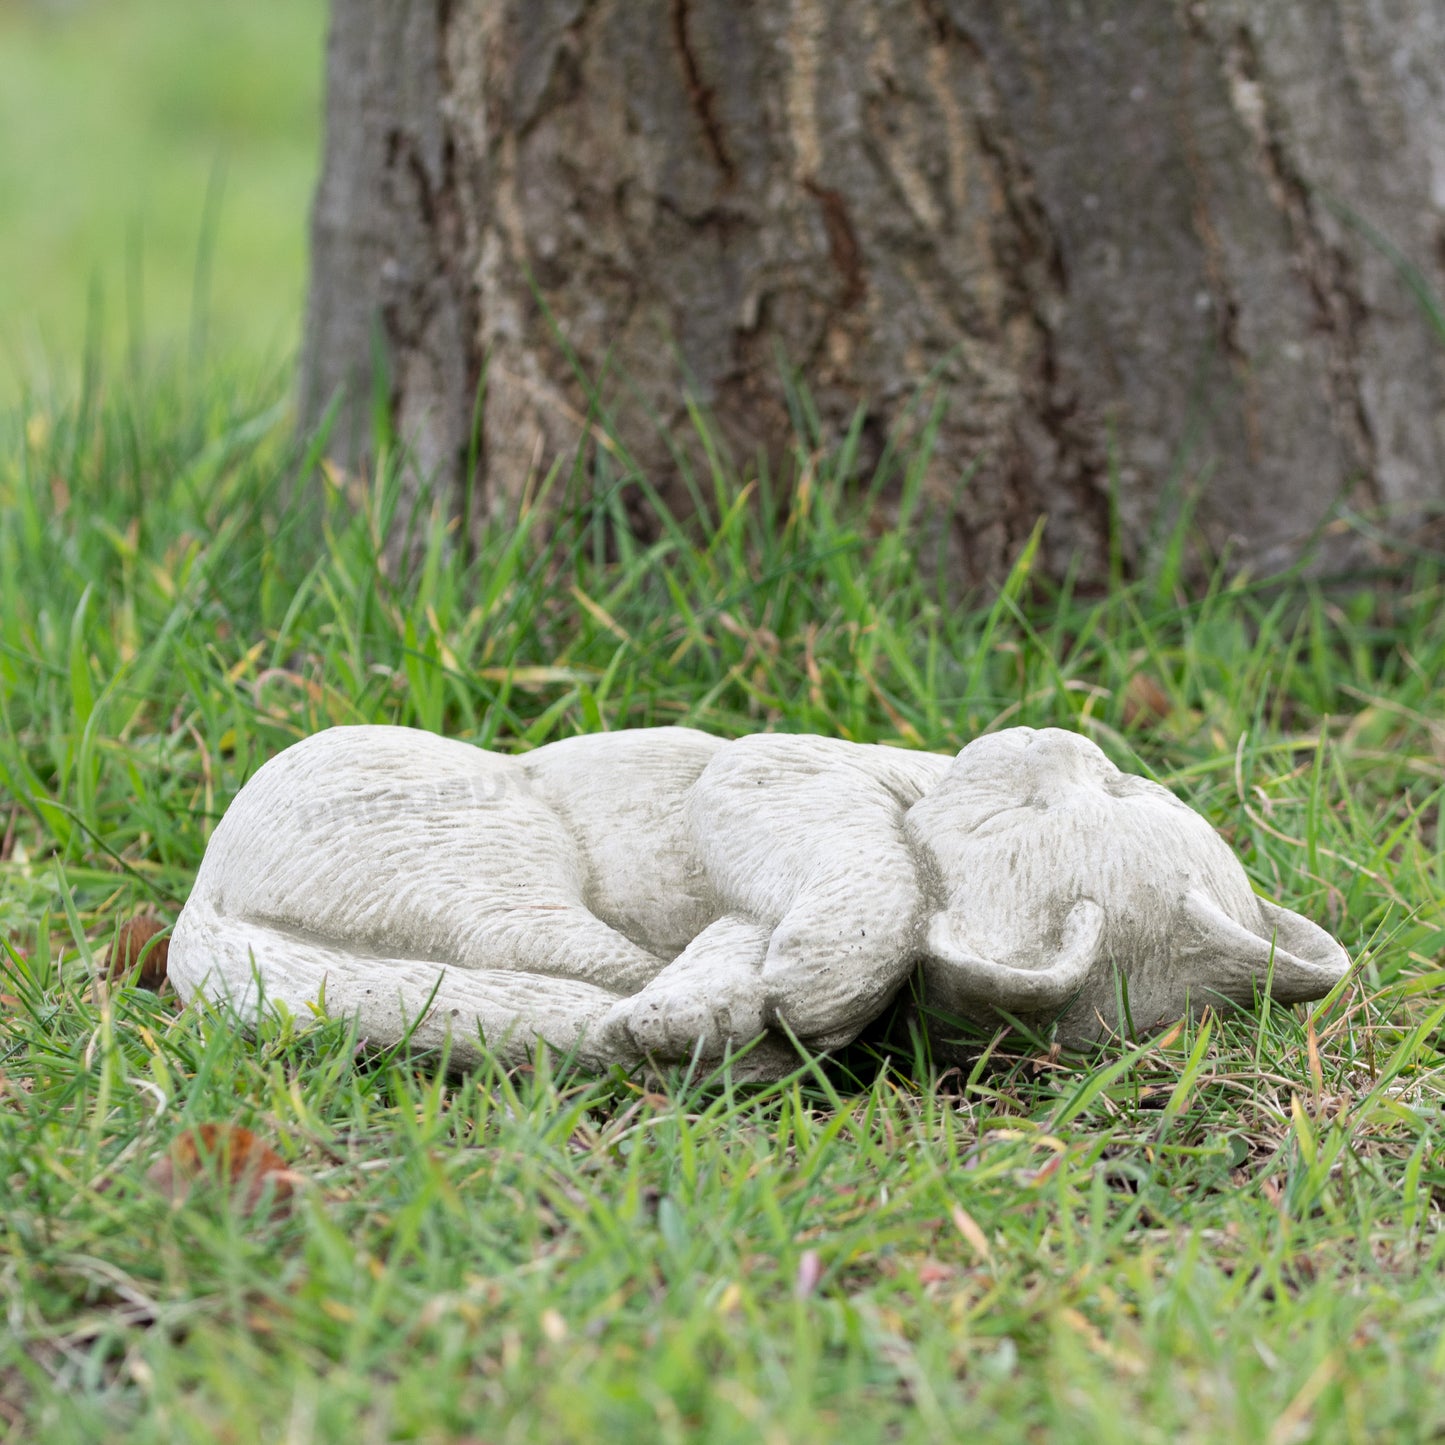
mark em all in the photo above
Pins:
pixel 664 893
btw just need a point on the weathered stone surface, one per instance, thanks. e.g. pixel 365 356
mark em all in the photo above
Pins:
pixel 665 893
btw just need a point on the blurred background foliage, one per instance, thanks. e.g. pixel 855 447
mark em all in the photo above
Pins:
pixel 156 165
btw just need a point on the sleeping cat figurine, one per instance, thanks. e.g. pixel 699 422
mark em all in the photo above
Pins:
pixel 664 893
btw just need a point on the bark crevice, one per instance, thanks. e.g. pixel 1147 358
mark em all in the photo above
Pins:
pixel 700 93
pixel 1327 270
pixel 1110 239
pixel 843 248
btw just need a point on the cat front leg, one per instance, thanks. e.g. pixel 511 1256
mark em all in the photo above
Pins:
pixel 841 953
pixel 820 975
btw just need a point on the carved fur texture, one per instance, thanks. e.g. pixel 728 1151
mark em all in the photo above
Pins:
pixel 663 893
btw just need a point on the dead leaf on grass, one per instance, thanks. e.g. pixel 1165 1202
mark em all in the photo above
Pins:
pixel 1145 702
pixel 935 1271
pixel 130 948
pixel 227 1156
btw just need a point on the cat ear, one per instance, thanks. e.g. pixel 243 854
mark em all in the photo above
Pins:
pixel 1295 958
pixel 959 975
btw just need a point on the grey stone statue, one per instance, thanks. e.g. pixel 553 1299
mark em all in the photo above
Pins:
pixel 665 893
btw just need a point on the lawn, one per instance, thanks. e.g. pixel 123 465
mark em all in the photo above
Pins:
pixel 155 179
pixel 1229 1231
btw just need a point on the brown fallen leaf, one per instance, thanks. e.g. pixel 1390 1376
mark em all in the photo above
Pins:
pixel 226 1156
pixel 935 1271
pixel 130 948
pixel 1145 702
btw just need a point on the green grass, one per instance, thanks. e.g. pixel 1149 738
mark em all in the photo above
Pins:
pixel 1230 1233
pixel 155 178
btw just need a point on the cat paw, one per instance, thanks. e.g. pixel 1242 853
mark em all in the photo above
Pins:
pixel 678 1024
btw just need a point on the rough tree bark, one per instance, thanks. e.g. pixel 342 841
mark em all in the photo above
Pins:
pixel 1137 245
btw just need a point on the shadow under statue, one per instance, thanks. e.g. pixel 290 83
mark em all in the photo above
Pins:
pixel 664 893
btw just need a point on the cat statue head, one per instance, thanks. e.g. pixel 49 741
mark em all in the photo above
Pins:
pixel 1096 891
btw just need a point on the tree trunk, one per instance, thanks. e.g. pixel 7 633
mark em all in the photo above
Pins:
pixel 1145 252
